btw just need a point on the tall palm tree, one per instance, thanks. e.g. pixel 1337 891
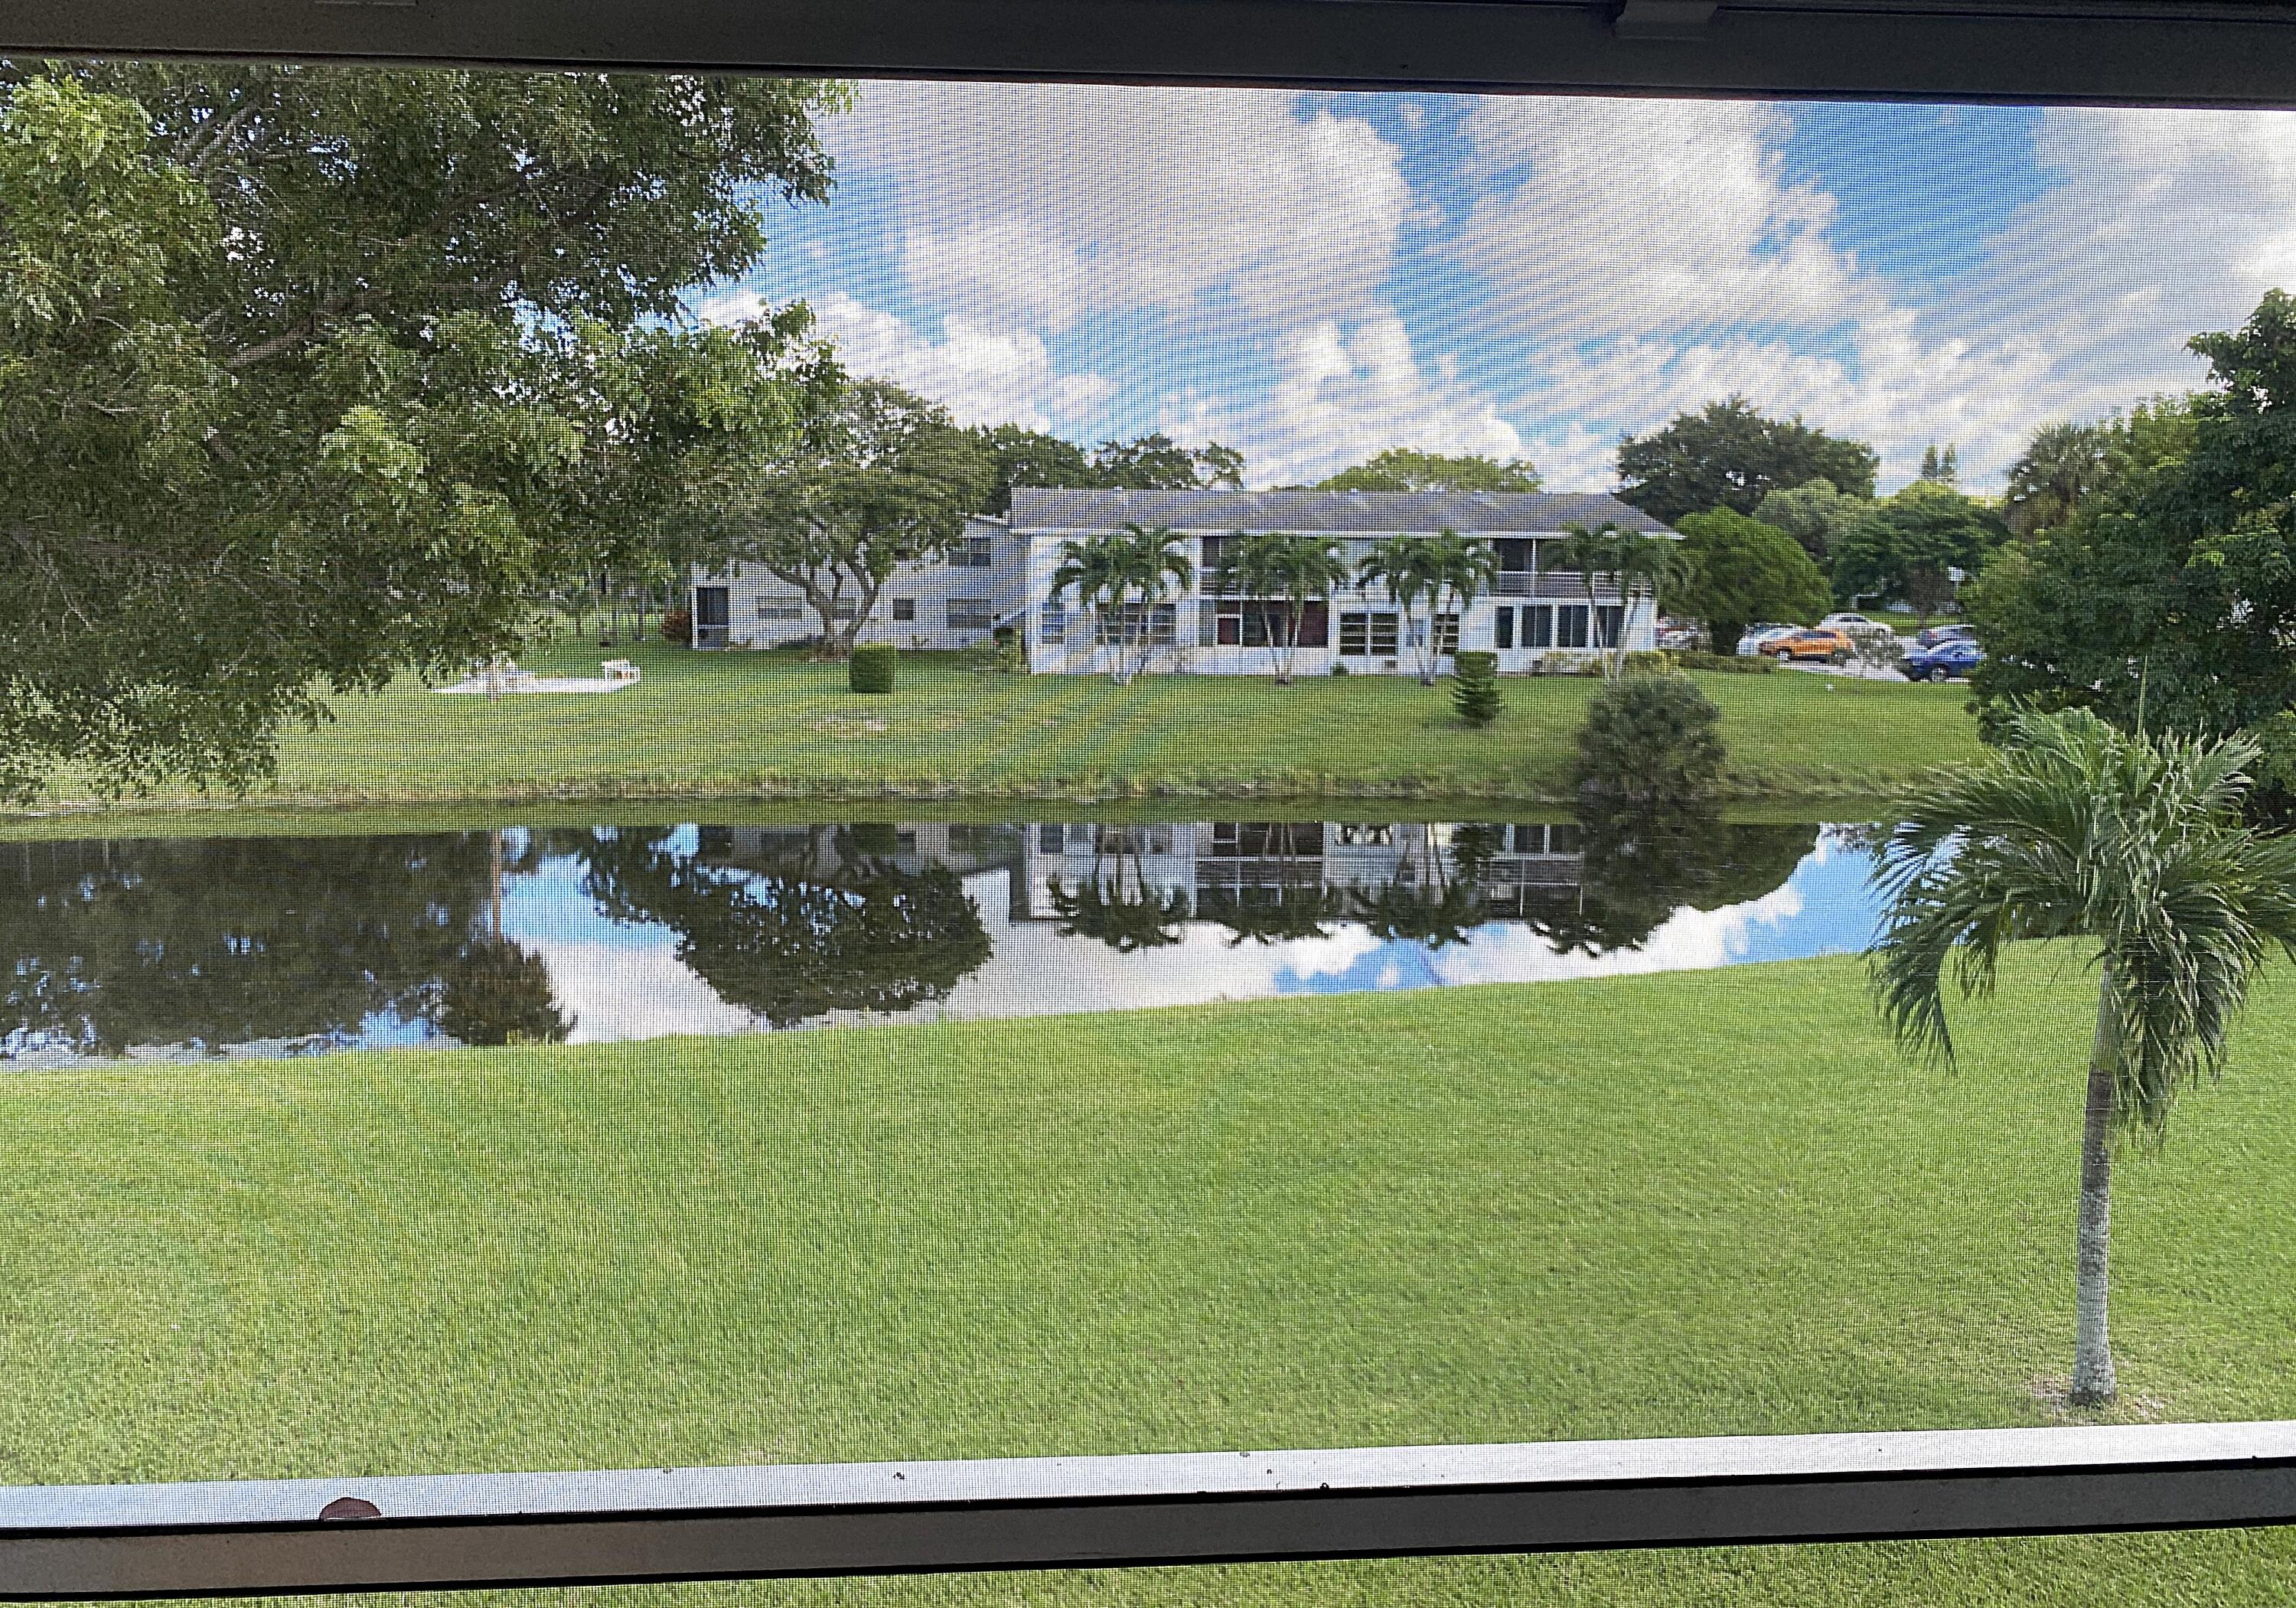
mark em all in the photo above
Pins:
pixel 1592 555
pixel 1646 566
pixel 2060 466
pixel 1252 567
pixel 1122 576
pixel 2077 829
pixel 1308 569
pixel 1463 572
pixel 1408 567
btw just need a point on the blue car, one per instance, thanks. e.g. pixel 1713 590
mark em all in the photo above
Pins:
pixel 1954 657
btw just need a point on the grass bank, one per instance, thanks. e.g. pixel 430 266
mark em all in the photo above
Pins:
pixel 1682 1205
pixel 742 725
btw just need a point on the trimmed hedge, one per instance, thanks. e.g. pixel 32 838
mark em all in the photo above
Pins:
pixel 1726 664
pixel 870 668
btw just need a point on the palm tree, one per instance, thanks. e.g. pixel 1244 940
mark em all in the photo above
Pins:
pixel 1463 572
pixel 1592 555
pixel 1646 566
pixel 1124 576
pixel 2077 829
pixel 1408 567
pixel 1252 567
pixel 2060 466
pixel 1309 570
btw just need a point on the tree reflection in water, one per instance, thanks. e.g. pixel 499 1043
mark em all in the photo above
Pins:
pixel 1115 903
pixel 833 926
pixel 1642 866
pixel 218 941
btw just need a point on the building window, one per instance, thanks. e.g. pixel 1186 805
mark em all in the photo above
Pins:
pixel 1048 838
pixel 1368 636
pixel 1052 625
pixel 1447 634
pixel 1571 625
pixel 780 608
pixel 905 608
pixel 973 553
pixel 1613 619
pixel 1503 628
pixel 1163 624
pixel 970 613
pixel 1262 623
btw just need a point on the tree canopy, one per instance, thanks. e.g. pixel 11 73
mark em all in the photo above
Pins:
pixel 1149 462
pixel 1405 469
pixel 882 475
pixel 1816 513
pixel 2173 586
pixel 1910 544
pixel 1727 455
pixel 1735 571
pixel 306 374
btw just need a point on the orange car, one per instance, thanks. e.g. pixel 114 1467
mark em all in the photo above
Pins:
pixel 1826 643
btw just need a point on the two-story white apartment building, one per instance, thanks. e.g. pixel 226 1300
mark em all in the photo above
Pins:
pixel 1001 574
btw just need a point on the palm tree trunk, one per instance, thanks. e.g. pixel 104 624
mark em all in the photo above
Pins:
pixel 2093 1373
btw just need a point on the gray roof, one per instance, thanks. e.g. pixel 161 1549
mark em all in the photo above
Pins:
pixel 1339 512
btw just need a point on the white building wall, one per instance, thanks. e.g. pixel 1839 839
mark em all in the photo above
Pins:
pixel 762 610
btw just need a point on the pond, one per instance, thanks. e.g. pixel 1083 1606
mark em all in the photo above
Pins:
pixel 178 948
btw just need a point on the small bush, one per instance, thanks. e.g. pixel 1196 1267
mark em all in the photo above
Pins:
pixel 871 668
pixel 1011 657
pixel 1725 664
pixel 677 626
pixel 1649 738
pixel 1657 661
pixel 1475 687
pixel 1339 669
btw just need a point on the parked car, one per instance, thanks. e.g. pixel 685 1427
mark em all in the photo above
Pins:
pixel 1828 644
pixel 1944 661
pixel 1677 638
pixel 1752 644
pixel 1929 636
pixel 1850 622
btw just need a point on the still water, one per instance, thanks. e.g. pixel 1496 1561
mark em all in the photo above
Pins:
pixel 175 947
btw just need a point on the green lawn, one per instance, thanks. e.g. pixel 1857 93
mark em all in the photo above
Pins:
pixel 1684 1205
pixel 742 724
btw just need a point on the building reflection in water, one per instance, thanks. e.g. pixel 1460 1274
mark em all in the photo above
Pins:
pixel 515 935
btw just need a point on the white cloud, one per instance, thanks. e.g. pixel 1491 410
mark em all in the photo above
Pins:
pixel 1043 203
pixel 1340 392
pixel 985 375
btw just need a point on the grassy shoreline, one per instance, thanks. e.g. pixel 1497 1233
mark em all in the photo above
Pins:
pixel 769 727
pixel 1705 1203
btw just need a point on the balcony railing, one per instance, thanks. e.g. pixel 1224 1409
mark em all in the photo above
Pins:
pixel 403 1533
pixel 1551 584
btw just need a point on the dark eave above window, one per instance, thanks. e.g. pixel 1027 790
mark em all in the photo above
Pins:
pixel 2222 52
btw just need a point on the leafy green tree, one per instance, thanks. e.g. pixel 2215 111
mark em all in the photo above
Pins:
pixel 1815 513
pixel 2173 587
pixel 1736 570
pixel 1029 457
pixel 2076 830
pixel 1119 579
pixel 1908 546
pixel 1940 468
pixel 1727 455
pixel 797 940
pixel 310 376
pixel 1404 469
pixel 883 476
pixel 1157 462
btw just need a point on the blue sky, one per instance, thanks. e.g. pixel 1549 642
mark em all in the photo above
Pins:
pixel 1311 277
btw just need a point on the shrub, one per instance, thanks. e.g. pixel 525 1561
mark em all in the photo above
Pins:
pixel 1650 738
pixel 1339 669
pixel 871 668
pixel 1724 664
pixel 677 626
pixel 1011 657
pixel 1655 660
pixel 1475 687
